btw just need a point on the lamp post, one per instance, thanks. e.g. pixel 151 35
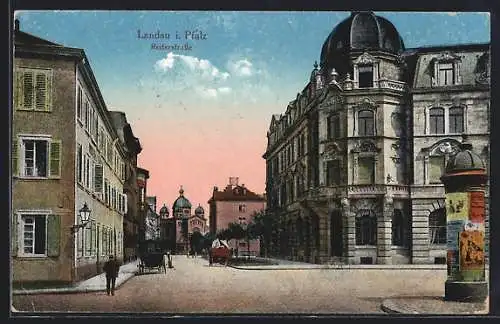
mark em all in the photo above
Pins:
pixel 84 213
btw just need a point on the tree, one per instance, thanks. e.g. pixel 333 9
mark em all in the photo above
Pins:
pixel 261 227
pixel 196 242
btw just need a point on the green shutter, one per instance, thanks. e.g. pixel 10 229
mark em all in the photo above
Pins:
pixel 40 91
pixel 436 168
pixel 55 159
pixel 48 93
pixel 18 90
pixel 53 235
pixel 13 231
pixel 28 91
pixel 15 157
pixel 98 178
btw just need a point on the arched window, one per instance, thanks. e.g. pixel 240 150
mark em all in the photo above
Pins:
pixel 365 76
pixel 398 228
pixel 366 228
pixel 366 123
pixel 437 226
pixel 456 120
pixel 436 120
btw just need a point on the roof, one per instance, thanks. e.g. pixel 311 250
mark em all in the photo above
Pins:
pixel 236 193
pixel 21 37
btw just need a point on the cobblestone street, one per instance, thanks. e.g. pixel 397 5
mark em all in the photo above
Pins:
pixel 194 287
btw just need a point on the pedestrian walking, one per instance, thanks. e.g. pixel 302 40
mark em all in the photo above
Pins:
pixel 111 267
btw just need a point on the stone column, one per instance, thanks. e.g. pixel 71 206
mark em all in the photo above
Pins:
pixel 384 232
pixel 349 230
pixel 324 237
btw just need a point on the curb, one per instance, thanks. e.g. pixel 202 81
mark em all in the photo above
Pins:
pixel 390 307
pixel 338 267
pixel 72 290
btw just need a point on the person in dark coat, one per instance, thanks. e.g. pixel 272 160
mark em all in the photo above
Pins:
pixel 111 268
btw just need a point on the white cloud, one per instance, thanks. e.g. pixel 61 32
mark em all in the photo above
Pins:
pixel 194 64
pixel 241 67
pixel 224 90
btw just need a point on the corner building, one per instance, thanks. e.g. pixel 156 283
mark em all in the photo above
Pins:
pixel 354 163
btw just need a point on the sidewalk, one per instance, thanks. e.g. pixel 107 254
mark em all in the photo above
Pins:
pixel 433 305
pixel 296 265
pixel 97 283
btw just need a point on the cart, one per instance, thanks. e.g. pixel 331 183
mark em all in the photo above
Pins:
pixel 152 261
pixel 219 252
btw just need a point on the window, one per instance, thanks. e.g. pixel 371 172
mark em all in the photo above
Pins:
pixel 366 170
pixel 333 130
pixel 436 120
pixel 436 168
pixel 446 74
pixel 34 241
pixel 437 226
pixel 366 228
pixel 366 123
pixel 33 89
pixel 332 172
pixel 365 76
pixel 79 103
pixel 456 120
pixel 39 157
pixel 79 163
pixel 398 228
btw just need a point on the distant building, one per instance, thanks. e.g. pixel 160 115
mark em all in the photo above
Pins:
pixel 143 206
pixel 185 222
pixel 354 164
pixel 131 219
pixel 235 204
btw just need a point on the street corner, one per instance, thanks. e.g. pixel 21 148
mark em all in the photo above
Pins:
pixel 432 305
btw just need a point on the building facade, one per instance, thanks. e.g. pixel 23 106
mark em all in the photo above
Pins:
pixel 235 204
pixel 353 165
pixel 131 220
pixel 185 222
pixel 64 155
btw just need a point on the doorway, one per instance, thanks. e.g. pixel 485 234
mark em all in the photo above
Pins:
pixel 336 233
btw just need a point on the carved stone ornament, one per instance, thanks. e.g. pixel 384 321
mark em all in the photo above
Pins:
pixel 365 58
pixel 396 122
pixel 361 206
pixel 365 146
pixel 445 148
pixel 447 57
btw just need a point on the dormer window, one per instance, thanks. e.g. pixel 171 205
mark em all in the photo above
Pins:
pixel 446 74
pixel 365 76
pixel 446 70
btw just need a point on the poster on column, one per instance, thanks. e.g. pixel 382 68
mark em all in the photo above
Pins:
pixel 453 230
pixel 476 199
pixel 457 206
pixel 471 250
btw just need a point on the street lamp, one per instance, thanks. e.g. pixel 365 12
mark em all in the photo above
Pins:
pixel 84 216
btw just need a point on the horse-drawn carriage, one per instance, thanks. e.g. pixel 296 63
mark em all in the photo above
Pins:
pixel 219 252
pixel 152 261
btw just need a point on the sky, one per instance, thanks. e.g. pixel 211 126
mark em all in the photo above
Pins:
pixel 201 110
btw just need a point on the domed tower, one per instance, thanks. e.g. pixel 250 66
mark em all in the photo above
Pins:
pixel 199 211
pixel 182 206
pixel 361 32
pixel 164 213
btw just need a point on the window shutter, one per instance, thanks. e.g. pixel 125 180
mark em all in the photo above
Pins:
pixel 48 92
pixel 436 168
pixel 55 159
pixel 15 157
pixel 18 90
pixel 13 231
pixel 53 235
pixel 28 93
pixel 125 204
pixel 40 91
pixel 98 178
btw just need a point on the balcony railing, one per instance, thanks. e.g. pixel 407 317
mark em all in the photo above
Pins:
pixel 392 84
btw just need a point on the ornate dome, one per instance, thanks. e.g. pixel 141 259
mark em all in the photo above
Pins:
pixel 164 210
pixel 181 202
pixel 199 210
pixel 465 160
pixel 363 30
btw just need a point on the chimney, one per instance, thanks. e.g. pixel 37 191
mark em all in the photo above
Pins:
pixel 216 188
pixel 16 24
